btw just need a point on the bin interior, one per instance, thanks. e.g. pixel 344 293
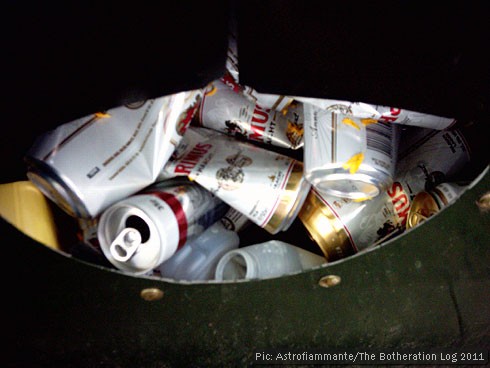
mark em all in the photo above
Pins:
pixel 424 58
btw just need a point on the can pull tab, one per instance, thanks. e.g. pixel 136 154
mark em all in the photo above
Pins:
pixel 126 244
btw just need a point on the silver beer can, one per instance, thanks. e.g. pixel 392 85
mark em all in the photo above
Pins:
pixel 267 187
pixel 89 163
pixel 342 227
pixel 346 156
pixel 382 113
pixel 226 109
pixel 430 157
pixel 140 232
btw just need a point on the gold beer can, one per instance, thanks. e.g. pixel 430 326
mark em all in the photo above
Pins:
pixel 325 228
pixel 342 226
pixel 427 203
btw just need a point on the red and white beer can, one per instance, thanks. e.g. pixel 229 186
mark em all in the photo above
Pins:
pixel 140 232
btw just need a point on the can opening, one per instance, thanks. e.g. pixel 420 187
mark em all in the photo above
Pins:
pixel 360 186
pixel 121 252
pixel 139 224
pixel 126 244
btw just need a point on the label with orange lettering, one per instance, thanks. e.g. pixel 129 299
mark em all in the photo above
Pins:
pixel 381 113
pixel 225 108
pixel 347 156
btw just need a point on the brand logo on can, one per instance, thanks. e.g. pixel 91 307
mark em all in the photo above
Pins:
pixel 260 117
pixel 190 160
pixel 400 202
pixel 230 82
pixel 391 116
pixel 186 116
pixel 230 178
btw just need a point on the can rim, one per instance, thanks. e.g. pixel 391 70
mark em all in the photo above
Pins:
pixel 332 181
pixel 290 199
pixel 423 206
pixel 106 234
pixel 58 189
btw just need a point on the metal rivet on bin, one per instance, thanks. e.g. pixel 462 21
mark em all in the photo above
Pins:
pixel 484 202
pixel 151 294
pixel 329 281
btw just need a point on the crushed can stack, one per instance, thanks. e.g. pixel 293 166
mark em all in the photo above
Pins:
pixel 149 179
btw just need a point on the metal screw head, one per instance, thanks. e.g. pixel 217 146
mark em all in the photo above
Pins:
pixel 151 294
pixel 484 202
pixel 329 281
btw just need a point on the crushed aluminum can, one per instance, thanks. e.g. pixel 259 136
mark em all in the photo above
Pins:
pixel 140 232
pixel 226 109
pixel 427 203
pixel 428 158
pixel 342 227
pixel 267 187
pixel 432 157
pixel 347 157
pixel 382 113
pixel 86 165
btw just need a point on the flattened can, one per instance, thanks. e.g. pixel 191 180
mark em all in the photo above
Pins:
pixel 383 113
pixel 428 203
pixel 432 157
pixel 348 157
pixel 342 227
pixel 85 165
pixel 228 111
pixel 140 232
pixel 267 187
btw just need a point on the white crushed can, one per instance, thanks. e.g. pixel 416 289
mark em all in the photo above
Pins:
pixel 382 113
pixel 348 157
pixel 87 164
pixel 226 109
pixel 267 187
pixel 234 220
pixel 433 157
pixel 342 227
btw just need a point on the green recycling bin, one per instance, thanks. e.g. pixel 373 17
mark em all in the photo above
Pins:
pixel 428 288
